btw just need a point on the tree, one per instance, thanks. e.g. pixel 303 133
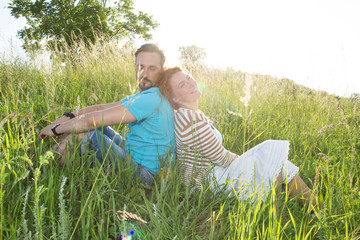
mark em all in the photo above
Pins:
pixel 192 55
pixel 62 20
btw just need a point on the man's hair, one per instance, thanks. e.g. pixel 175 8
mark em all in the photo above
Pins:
pixel 164 86
pixel 150 47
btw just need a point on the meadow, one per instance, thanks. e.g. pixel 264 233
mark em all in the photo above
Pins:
pixel 40 200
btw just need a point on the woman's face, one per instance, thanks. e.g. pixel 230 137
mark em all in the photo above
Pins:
pixel 184 89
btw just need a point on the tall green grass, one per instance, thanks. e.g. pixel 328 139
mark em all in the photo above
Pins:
pixel 40 200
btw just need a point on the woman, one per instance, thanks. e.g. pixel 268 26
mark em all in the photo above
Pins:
pixel 199 147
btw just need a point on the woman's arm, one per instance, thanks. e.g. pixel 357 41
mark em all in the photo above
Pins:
pixel 117 114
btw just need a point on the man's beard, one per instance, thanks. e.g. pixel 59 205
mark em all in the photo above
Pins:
pixel 143 86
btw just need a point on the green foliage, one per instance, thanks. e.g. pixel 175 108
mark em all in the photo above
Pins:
pixel 64 218
pixel 38 199
pixel 23 231
pixel 60 21
pixel 39 210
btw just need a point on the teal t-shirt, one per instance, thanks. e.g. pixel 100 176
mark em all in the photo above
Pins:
pixel 151 137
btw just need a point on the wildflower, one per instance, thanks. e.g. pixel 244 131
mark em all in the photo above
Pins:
pixel 248 82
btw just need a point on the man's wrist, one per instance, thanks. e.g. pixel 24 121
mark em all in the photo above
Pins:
pixel 53 129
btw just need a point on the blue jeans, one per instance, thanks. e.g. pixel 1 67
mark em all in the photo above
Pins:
pixel 108 143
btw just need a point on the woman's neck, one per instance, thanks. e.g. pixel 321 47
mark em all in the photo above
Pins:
pixel 192 105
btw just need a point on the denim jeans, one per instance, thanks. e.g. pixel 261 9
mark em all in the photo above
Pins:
pixel 109 145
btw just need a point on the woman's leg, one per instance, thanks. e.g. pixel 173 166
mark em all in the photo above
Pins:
pixel 278 185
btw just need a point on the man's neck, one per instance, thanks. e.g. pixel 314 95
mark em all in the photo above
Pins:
pixel 145 89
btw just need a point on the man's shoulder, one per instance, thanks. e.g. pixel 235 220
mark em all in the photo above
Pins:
pixel 148 100
pixel 151 91
pixel 151 95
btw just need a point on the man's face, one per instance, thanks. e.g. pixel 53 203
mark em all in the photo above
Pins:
pixel 148 69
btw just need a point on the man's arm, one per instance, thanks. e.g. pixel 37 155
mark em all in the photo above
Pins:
pixel 117 114
pixel 86 110
pixel 96 108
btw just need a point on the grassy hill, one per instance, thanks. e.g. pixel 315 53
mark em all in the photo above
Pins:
pixel 40 200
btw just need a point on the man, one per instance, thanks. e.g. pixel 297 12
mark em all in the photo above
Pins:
pixel 148 114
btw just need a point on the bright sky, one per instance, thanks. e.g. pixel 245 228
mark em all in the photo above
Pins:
pixel 313 42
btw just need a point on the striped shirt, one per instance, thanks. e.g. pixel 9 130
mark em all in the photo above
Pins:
pixel 197 146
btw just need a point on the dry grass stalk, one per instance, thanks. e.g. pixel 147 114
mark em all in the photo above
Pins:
pixel 323 129
pixel 23 120
pixel 126 215
pixel 324 156
pixel 235 114
pixel 344 118
pixel 94 97
pixel 14 118
pixel 6 119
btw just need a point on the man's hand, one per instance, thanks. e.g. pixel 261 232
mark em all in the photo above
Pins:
pixel 46 131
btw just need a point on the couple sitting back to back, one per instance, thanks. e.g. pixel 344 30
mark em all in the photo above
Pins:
pixel 199 150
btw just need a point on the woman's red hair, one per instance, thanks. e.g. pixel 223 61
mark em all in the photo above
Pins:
pixel 164 86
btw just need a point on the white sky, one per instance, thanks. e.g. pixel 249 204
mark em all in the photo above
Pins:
pixel 9 26
pixel 313 42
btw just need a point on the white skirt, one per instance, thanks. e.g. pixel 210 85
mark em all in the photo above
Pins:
pixel 253 173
